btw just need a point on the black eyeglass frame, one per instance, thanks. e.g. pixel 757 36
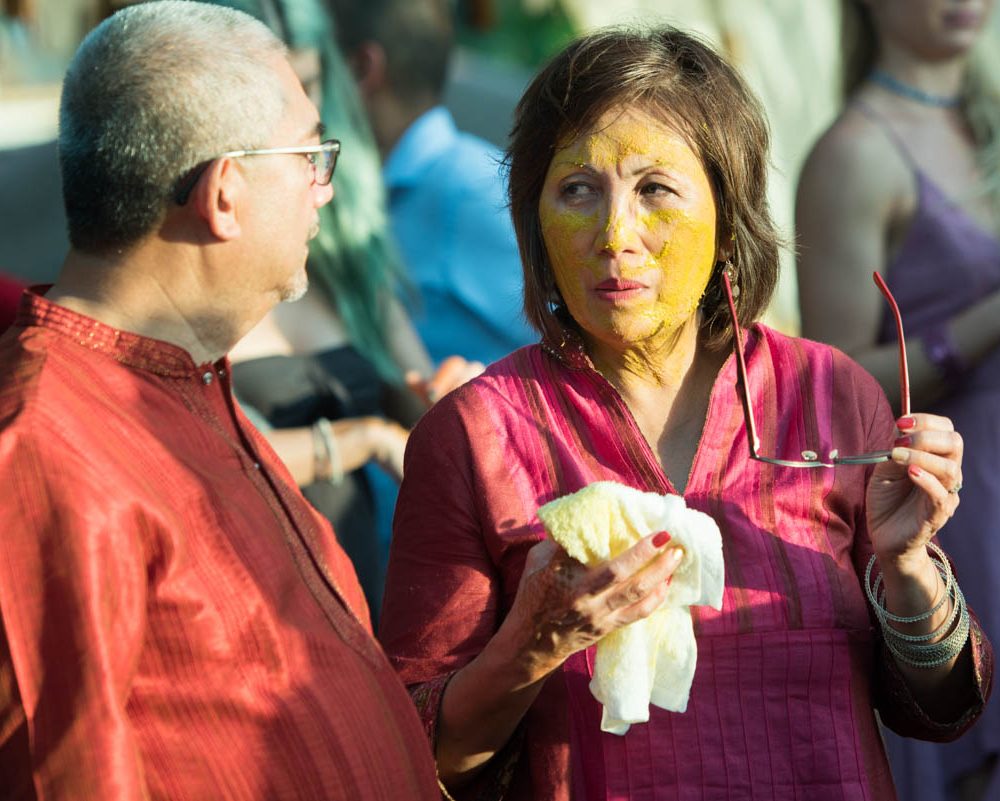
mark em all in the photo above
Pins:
pixel 810 459
pixel 330 150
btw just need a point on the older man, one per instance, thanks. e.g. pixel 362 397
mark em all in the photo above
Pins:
pixel 175 621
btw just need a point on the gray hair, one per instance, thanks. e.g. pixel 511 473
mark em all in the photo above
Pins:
pixel 154 91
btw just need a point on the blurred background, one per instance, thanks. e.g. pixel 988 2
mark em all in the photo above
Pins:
pixel 787 49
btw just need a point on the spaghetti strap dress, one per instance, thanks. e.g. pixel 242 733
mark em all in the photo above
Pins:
pixel 946 263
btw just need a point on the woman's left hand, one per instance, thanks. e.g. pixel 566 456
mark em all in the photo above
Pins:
pixel 912 496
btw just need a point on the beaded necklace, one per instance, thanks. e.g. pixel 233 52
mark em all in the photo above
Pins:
pixel 897 87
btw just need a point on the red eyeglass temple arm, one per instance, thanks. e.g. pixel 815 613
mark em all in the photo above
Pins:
pixel 741 368
pixel 904 370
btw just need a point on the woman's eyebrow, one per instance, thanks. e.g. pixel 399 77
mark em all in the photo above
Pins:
pixel 660 165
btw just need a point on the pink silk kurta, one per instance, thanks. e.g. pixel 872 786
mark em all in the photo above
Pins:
pixel 789 672
pixel 176 622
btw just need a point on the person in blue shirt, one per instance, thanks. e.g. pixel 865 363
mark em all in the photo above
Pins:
pixel 447 197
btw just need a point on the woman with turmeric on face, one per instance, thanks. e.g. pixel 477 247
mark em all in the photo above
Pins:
pixel 637 181
pixel 628 219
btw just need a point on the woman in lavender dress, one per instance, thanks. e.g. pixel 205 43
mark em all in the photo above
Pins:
pixel 907 181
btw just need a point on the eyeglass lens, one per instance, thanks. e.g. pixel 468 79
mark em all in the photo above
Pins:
pixel 325 161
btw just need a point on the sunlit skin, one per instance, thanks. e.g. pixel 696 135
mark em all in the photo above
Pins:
pixel 287 213
pixel 629 222
pixel 933 30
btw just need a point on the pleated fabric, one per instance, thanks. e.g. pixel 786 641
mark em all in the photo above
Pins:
pixel 789 672
pixel 176 622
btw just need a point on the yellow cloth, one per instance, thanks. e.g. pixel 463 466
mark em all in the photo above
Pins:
pixel 652 660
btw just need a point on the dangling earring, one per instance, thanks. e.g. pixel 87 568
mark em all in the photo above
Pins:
pixel 557 307
pixel 731 273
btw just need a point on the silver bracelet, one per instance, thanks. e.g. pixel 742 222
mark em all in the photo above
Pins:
pixel 916 649
pixel 933 654
pixel 944 570
pixel 321 456
pixel 336 465
pixel 876 596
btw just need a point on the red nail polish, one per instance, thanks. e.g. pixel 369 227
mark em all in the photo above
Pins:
pixel 902 442
pixel 661 539
pixel 914 471
pixel 905 423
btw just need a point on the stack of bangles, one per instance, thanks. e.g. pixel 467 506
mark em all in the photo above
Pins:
pixel 327 465
pixel 919 650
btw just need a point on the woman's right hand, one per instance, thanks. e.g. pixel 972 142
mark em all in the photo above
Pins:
pixel 562 606
pixel 450 374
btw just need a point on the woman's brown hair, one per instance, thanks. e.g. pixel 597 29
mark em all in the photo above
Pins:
pixel 679 79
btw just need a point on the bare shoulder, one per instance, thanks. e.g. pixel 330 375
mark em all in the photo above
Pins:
pixel 856 161
pixel 855 190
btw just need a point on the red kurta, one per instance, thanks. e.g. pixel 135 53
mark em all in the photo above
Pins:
pixel 10 296
pixel 789 672
pixel 177 622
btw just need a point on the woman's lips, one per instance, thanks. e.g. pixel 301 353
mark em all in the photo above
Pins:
pixel 618 285
pixel 963 19
pixel 618 289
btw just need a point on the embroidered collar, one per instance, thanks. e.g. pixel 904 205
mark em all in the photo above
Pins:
pixel 134 350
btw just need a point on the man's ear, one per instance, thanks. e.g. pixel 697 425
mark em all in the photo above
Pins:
pixel 368 63
pixel 217 198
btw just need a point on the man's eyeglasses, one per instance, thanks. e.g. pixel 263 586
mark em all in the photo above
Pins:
pixel 812 458
pixel 323 158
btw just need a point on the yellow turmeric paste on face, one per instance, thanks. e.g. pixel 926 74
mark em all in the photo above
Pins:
pixel 630 200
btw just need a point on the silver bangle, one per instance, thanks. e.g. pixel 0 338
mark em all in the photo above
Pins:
pixel 321 456
pixel 332 452
pixel 934 654
pixel 944 570
pixel 916 649
pixel 876 596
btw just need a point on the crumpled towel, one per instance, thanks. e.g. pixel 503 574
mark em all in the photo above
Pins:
pixel 651 660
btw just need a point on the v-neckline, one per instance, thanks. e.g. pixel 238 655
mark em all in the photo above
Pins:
pixel 714 399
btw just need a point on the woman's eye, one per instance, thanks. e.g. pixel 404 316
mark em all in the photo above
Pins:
pixel 656 189
pixel 577 190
